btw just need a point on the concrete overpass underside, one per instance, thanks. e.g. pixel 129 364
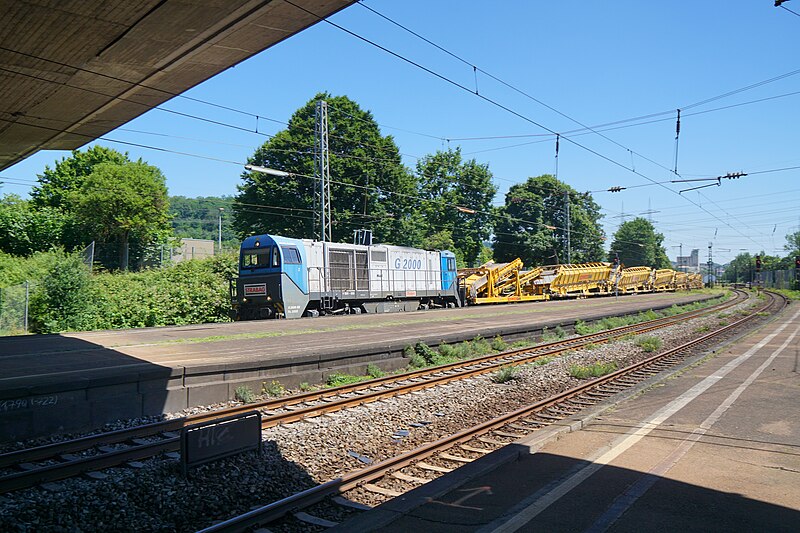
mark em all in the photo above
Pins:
pixel 73 70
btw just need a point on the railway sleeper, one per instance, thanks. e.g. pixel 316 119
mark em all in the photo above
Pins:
pixel 508 434
pixel 412 479
pixel 433 468
pixel 344 502
pixel 314 520
pixel 455 458
pixel 381 490
pixel 474 449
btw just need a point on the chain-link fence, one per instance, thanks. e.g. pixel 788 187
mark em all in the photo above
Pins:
pixel 14 308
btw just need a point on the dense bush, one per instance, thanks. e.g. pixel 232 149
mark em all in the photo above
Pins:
pixel 62 300
pixel 64 297
pixel 190 292
pixel 15 270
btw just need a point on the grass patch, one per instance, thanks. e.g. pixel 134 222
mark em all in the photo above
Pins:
pixel 421 355
pixel 613 322
pixel 791 294
pixel 374 371
pixel 592 371
pixel 582 328
pixel 337 379
pixel 648 344
pixel 244 394
pixel 273 388
pixel 702 329
pixel 498 344
pixel 505 374
pixel 305 387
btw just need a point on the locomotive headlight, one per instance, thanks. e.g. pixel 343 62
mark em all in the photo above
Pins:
pixel 244 299
pixel 269 298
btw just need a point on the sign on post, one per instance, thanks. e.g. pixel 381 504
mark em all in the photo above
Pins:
pixel 209 441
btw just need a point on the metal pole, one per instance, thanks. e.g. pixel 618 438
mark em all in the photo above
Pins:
pixel 710 265
pixel 27 296
pixel 566 203
pixel 323 169
pixel 221 209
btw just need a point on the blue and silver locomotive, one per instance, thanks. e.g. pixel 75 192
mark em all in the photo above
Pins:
pixel 289 278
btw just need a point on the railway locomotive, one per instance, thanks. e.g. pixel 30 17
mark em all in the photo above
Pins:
pixel 280 277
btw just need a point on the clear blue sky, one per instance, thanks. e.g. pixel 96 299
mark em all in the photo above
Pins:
pixel 597 62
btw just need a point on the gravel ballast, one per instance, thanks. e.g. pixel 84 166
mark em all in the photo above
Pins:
pixel 298 456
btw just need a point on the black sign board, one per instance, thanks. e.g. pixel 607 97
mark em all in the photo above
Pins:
pixel 209 441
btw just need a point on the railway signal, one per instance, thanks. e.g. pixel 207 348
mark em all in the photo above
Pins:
pixel 758 263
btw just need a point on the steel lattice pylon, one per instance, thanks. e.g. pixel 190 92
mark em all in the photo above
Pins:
pixel 322 170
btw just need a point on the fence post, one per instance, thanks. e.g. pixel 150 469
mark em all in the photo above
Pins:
pixel 27 294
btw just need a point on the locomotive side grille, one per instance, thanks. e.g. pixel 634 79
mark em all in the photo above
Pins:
pixel 362 274
pixel 341 269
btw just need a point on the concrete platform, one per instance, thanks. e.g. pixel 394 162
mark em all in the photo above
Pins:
pixel 79 381
pixel 714 448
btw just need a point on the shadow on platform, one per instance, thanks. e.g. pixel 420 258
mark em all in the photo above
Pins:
pixel 528 494
pixel 60 384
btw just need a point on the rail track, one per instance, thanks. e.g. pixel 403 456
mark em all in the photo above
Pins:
pixel 34 466
pixel 394 476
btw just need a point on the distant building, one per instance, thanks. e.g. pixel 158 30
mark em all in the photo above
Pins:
pixel 689 263
pixel 193 249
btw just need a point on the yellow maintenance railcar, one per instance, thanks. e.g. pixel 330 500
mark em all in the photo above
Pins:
pixel 508 282
pixel 634 279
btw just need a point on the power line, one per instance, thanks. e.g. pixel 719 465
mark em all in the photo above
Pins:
pixel 158 107
pixel 790 11
pixel 506 84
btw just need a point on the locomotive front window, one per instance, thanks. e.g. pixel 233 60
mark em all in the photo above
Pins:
pixel 256 258
pixel 291 256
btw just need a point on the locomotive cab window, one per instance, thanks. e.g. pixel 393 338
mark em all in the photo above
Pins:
pixel 378 255
pixel 276 257
pixel 291 255
pixel 256 258
pixel 451 264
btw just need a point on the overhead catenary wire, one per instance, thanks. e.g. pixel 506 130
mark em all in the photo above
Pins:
pixel 115 141
pixel 158 106
pixel 514 88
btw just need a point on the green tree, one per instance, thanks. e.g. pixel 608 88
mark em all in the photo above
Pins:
pixel 125 204
pixel 792 245
pixel 25 229
pixel 370 188
pixel 532 224
pixel 58 188
pixel 198 218
pixel 637 244
pixel 68 175
pixel 740 269
pixel 457 198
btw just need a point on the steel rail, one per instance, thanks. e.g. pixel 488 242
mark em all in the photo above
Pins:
pixel 281 508
pixel 154 428
pixel 434 376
